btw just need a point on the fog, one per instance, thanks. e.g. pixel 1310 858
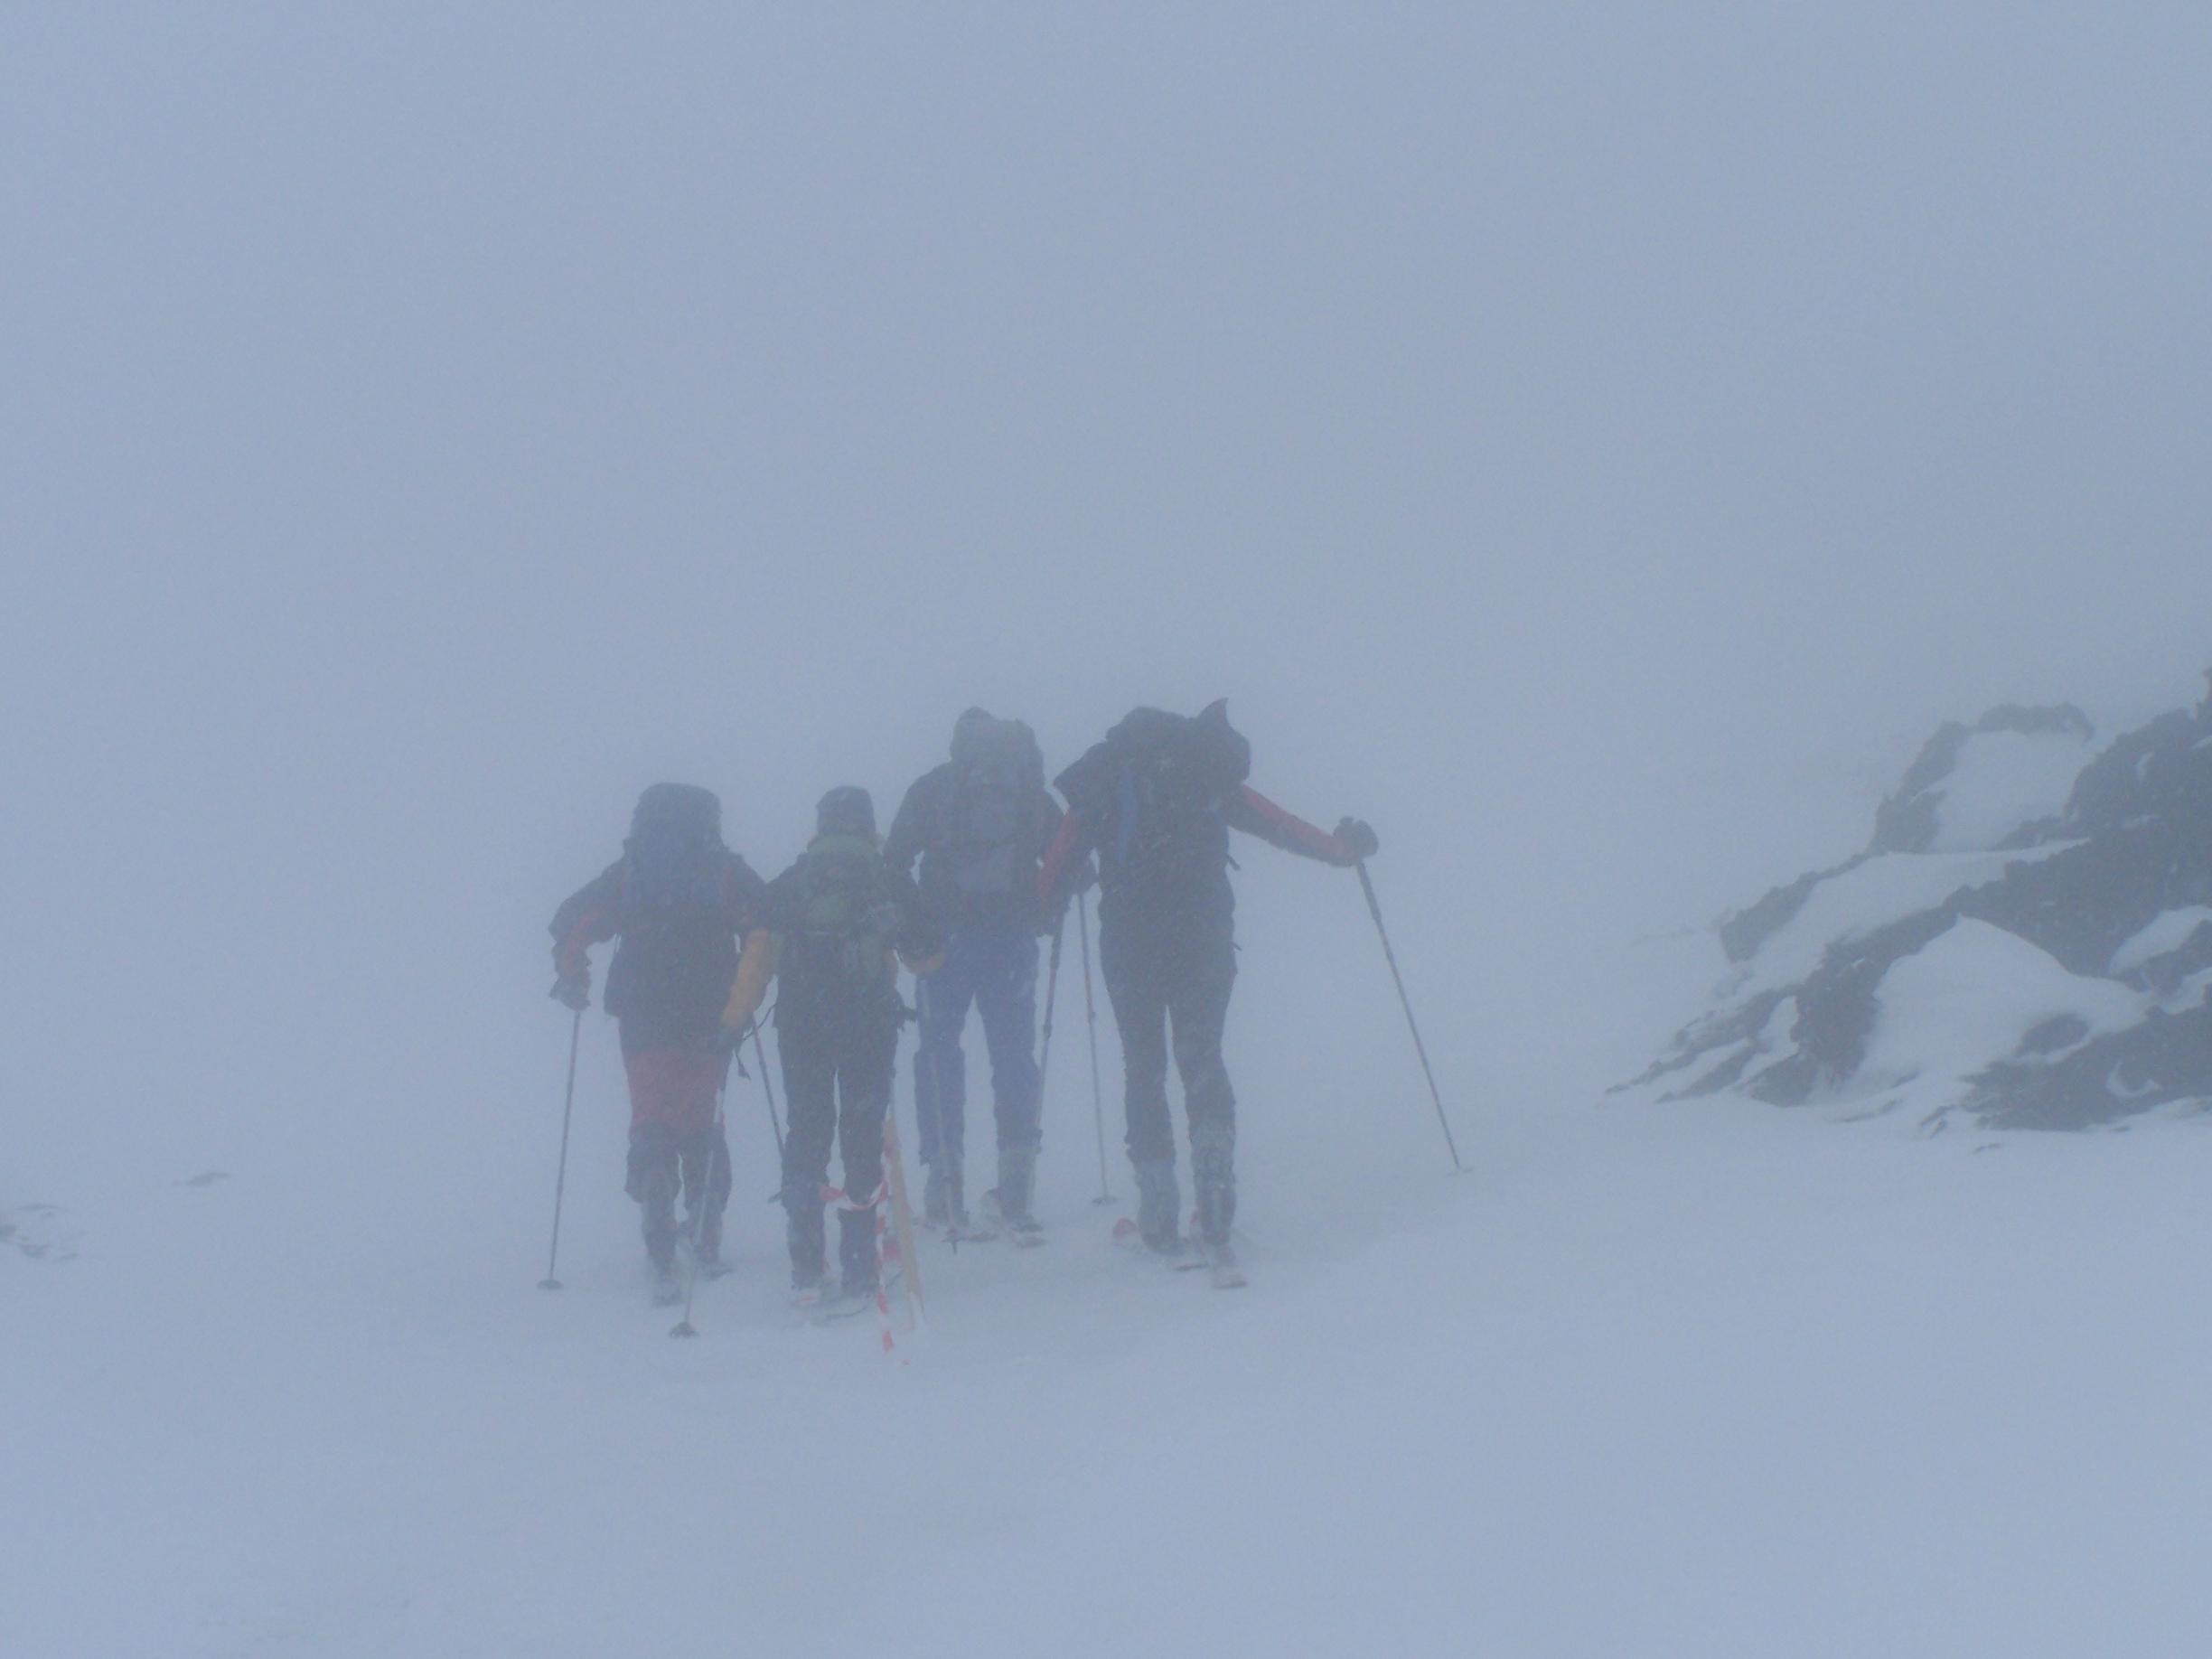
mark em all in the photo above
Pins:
pixel 1568 438
pixel 1594 444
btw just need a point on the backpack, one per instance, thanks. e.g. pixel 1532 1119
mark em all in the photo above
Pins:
pixel 1173 773
pixel 846 921
pixel 989 834
pixel 672 861
pixel 676 935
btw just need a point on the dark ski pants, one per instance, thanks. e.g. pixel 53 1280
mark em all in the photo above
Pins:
pixel 996 969
pixel 1158 978
pixel 676 1146
pixel 837 1079
pixel 665 1161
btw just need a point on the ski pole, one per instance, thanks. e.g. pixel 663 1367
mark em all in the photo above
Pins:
pixel 1051 999
pixel 560 1180
pixel 1098 1095
pixel 715 1155
pixel 1391 956
pixel 760 1052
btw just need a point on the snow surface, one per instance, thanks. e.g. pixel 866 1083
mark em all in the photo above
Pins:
pixel 2165 933
pixel 1863 898
pixel 1710 1381
pixel 2002 781
pixel 1968 996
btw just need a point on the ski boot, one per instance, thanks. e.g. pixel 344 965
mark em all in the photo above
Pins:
pixel 802 1229
pixel 657 1201
pixel 1158 1199
pixel 1006 1205
pixel 853 1290
pixel 1214 1176
pixel 936 1209
pixel 705 1233
pixel 959 1228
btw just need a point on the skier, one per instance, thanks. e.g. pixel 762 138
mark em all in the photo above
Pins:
pixel 679 901
pixel 836 919
pixel 1156 799
pixel 979 823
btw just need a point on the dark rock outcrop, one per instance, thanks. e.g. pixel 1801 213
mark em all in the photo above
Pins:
pixel 2108 885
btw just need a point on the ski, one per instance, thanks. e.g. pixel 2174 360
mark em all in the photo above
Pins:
pixel 1022 1230
pixel 1223 1270
pixel 1190 1255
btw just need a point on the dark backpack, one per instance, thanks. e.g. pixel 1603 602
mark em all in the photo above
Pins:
pixel 672 862
pixel 1172 776
pixel 846 921
pixel 988 839
pixel 677 952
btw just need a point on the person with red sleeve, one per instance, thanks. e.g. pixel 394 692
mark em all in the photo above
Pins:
pixel 680 902
pixel 1155 801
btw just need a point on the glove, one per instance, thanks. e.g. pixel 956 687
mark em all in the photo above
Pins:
pixel 573 991
pixel 919 965
pixel 731 1041
pixel 1358 837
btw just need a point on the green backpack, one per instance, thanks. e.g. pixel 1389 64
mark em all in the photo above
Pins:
pixel 849 919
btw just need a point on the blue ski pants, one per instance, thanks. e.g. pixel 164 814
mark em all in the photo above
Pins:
pixel 996 969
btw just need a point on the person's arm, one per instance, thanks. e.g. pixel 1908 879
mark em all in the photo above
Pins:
pixel 1049 814
pixel 910 827
pixel 920 939
pixel 1063 862
pixel 589 918
pixel 756 965
pixel 1250 810
pixel 753 907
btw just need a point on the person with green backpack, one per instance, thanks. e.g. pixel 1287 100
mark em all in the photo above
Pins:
pixel 839 920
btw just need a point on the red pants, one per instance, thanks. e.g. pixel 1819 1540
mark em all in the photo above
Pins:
pixel 675 1086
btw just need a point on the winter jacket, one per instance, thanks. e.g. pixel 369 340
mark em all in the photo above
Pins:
pixel 1175 877
pixel 926 828
pixel 673 979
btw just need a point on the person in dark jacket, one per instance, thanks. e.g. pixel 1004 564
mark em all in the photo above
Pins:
pixel 837 921
pixel 1156 799
pixel 678 902
pixel 979 824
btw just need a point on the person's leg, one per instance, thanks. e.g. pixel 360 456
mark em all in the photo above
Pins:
pixel 704 1148
pixel 653 1066
pixel 1202 975
pixel 941 1074
pixel 1006 997
pixel 864 1096
pixel 706 1190
pixel 1134 989
pixel 652 1179
pixel 809 1095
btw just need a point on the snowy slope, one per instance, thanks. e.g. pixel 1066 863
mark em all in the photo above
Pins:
pixel 1717 1383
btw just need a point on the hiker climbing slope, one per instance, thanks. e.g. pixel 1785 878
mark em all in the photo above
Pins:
pixel 1156 800
pixel 835 918
pixel 979 823
pixel 678 901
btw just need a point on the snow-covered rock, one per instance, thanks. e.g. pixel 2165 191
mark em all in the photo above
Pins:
pixel 1987 785
pixel 2027 940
